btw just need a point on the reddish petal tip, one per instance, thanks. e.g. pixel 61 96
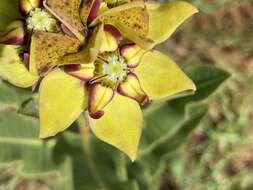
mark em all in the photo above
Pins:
pixel 125 47
pixel 97 114
pixel 72 68
pixel 112 30
pixel 145 101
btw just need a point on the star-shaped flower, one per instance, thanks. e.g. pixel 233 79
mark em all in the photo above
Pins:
pixel 95 57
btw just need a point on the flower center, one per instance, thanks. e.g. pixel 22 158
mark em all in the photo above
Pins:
pixel 112 69
pixel 41 20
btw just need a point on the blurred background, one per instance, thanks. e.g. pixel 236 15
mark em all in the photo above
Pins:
pixel 199 142
pixel 219 153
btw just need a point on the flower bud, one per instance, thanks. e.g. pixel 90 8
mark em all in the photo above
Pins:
pixel 14 33
pixel 27 5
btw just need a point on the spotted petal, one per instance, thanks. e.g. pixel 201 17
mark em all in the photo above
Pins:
pixel 160 77
pixel 131 20
pixel 89 51
pixel 121 125
pixel 165 18
pixel 12 69
pixel 68 13
pixel 48 48
pixel 62 98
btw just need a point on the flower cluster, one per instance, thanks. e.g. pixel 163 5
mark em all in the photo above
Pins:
pixel 94 57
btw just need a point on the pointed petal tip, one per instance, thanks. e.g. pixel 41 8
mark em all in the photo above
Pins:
pixel 145 100
pixel 171 14
pixel 167 80
pixel 132 156
pixel 194 87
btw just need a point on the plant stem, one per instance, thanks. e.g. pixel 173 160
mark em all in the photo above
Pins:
pixel 86 136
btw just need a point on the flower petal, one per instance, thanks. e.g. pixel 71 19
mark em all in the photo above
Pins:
pixel 161 77
pixel 82 71
pixel 99 97
pixel 48 48
pixel 121 125
pixel 12 69
pixel 131 88
pixel 68 13
pixel 133 54
pixel 131 20
pixel 62 98
pixel 165 18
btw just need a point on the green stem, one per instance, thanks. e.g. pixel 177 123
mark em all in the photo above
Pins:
pixel 85 133
pixel 121 168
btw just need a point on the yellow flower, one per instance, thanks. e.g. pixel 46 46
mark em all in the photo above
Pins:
pixel 119 81
pixel 143 22
pixel 110 75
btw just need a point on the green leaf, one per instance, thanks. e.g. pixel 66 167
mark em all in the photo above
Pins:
pixel 97 165
pixel 207 79
pixel 173 140
pixel 163 117
pixel 151 162
pixel 22 100
pixel 9 10
pixel 12 96
pixel 20 145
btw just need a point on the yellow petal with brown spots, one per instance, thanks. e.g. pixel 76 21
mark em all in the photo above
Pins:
pixel 48 48
pixel 68 13
pixel 131 20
